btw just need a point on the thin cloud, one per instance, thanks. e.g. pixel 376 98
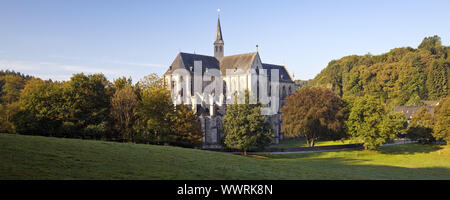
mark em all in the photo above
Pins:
pixel 18 65
pixel 57 71
pixel 136 64
pixel 119 62
pixel 87 69
pixel 65 57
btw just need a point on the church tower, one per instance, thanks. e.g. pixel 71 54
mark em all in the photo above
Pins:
pixel 218 43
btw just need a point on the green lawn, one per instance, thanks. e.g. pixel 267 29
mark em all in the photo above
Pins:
pixel 299 142
pixel 35 157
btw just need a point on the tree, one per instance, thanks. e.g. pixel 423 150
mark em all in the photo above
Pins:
pixel 313 113
pixel 10 88
pixel 7 111
pixel 151 81
pixel 369 123
pixel 421 127
pixel 155 112
pixel 186 130
pixel 394 123
pixel 75 108
pixel 123 112
pixel 42 108
pixel 402 76
pixel 437 80
pixel 122 82
pixel 441 129
pixel 88 98
pixel 11 84
pixel 431 44
pixel 244 126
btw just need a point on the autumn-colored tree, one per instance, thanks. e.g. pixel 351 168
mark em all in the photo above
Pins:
pixel 7 111
pixel 123 112
pixel 441 129
pixel 244 126
pixel 402 76
pixel 421 127
pixel 313 113
pixel 10 87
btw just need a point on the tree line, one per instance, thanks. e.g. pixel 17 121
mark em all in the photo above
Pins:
pixel 315 113
pixel 91 107
pixel 354 97
pixel 403 76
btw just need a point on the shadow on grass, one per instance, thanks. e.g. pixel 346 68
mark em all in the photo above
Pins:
pixel 34 157
pixel 301 142
pixel 355 169
pixel 310 167
pixel 410 149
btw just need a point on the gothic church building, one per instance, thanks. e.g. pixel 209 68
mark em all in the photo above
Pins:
pixel 244 68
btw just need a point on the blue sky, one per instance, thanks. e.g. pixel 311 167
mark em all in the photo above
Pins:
pixel 54 39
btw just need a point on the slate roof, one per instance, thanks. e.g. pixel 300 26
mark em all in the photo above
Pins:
pixel 186 60
pixel 283 74
pixel 431 103
pixel 409 111
pixel 241 61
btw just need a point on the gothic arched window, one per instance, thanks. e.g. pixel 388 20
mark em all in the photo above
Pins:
pixel 270 90
pixel 224 87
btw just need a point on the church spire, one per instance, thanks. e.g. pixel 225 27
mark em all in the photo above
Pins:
pixel 219 29
pixel 218 43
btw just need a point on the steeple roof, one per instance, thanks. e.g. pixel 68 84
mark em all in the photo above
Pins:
pixel 219 38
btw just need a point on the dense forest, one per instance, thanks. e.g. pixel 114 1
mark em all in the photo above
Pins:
pixel 403 76
pixel 92 107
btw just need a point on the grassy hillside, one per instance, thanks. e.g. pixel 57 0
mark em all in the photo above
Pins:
pixel 402 76
pixel 36 157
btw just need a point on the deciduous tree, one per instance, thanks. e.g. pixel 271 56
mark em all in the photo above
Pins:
pixel 155 111
pixel 244 126
pixel 370 124
pixel 421 127
pixel 441 129
pixel 186 129
pixel 123 112
pixel 313 113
